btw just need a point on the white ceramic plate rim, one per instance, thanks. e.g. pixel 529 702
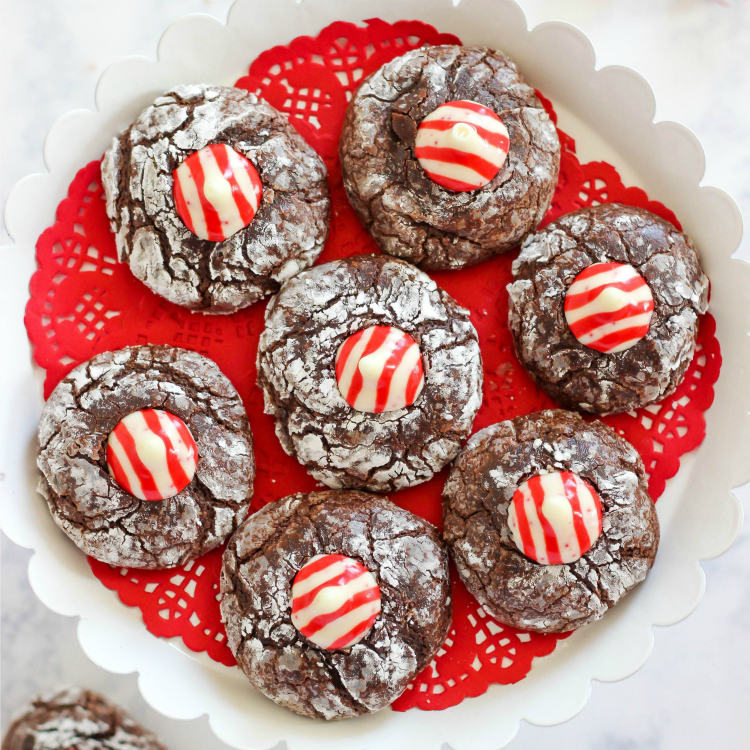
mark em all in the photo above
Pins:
pixel 700 517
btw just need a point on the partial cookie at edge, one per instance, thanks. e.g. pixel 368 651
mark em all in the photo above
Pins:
pixel 72 717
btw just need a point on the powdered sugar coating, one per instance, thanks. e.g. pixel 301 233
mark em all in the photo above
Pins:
pixel 408 214
pixel 402 551
pixel 76 719
pixel 571 372
pixel 515 589
pixel 286 235
pixel 104 520
pixel 311 317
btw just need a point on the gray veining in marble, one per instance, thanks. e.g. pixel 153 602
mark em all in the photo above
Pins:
pixel 694 691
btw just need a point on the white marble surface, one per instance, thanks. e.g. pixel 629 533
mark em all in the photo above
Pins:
pixel 694 691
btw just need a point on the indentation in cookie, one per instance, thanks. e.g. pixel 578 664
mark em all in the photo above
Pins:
pixel 379 369
pixel 151 454
pixel 217 192
pixel 555 517
pixel 609 307
pixel 462 145
pixel 335 601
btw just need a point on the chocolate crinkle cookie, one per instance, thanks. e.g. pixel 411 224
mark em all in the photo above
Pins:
pixel 77 719
pixel 215 199
pixel 372 372
pixel 334 601
pixel 549 520
pixel 448 156
pixel 146 456
pixel 604 308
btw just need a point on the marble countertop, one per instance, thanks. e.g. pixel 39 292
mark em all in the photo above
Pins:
pixel 694 690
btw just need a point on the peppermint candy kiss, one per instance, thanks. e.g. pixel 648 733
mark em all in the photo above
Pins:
pixel 555 518
pixel 335 601
pixel 609 307
pixel 379 369
pixel 462 145
pixel 151 454
pixel 217 192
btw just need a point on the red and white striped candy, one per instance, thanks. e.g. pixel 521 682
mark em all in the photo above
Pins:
pixel 151 454
pixel 217 192
pixel 462 145
pixel 609 306
pixel 335 601
pixel 379 369
pixel 555 518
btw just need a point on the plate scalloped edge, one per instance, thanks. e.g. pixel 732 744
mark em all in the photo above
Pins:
pixel 665 156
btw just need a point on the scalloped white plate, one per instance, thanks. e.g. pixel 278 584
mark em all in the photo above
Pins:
pixel 610 114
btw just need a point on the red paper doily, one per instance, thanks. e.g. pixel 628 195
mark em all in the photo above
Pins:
pixel 84 302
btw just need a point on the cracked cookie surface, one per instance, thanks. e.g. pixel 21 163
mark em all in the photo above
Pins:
pixel 404 553
pixel 515 589
pixel 80 719
pixel 574 374
pixel 307 322
pixel 103 519
pixel 286 235
pixel 408 214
